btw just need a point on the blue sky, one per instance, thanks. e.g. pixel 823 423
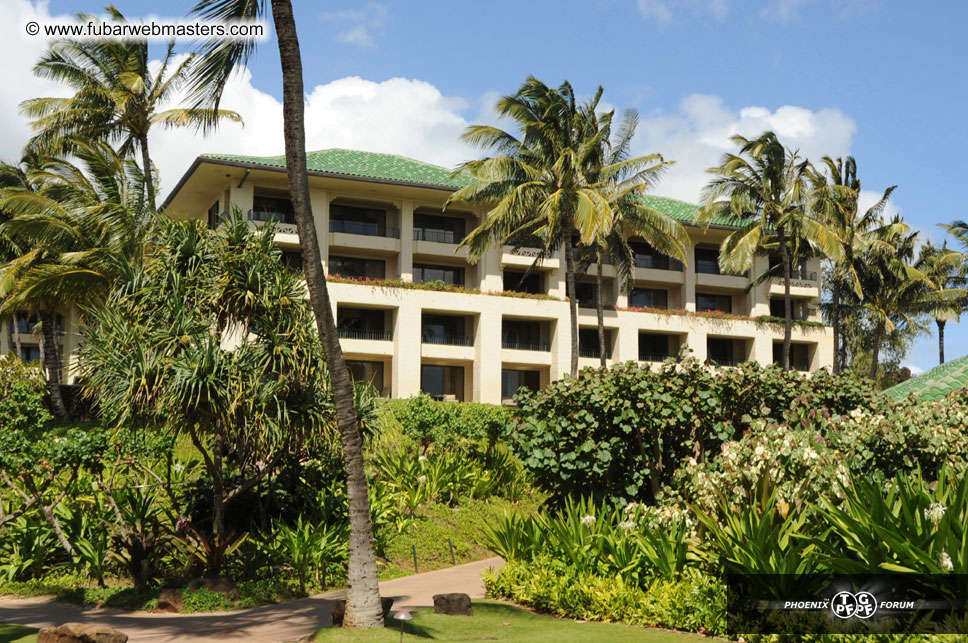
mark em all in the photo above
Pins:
pixel 879 80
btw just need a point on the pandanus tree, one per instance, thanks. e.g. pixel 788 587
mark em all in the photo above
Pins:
pixel 837 193
pixel 542 181
pixel 117 97
pixel 74 226
pixel 765 186
pixel 622 180
pixel 218 60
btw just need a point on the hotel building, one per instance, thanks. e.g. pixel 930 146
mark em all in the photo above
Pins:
pixel 479 330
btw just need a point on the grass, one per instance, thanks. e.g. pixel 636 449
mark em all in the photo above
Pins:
pixel 497 621
pixel 463 525
pixel 10 633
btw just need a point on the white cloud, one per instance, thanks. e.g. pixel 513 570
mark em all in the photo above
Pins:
pixel 367 22
pixel 17 80
pixel 915 370
pixel 789 10
pixel 664 11
pixel 698 134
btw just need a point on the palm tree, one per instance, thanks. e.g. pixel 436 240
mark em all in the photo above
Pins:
pixel 116 98
pixel 946 270
pixel 543 182
pixel 218 59
pixel 622 181
pixel 74 225
pixel 837 193
pixel 766 187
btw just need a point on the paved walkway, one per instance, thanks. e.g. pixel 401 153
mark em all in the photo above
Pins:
pixel 269 624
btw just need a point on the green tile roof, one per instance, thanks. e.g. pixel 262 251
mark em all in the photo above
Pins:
pixel 936 383
pixel 391 167
pixel 388 167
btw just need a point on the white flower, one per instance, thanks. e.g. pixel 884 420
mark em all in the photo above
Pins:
pixel 810 454
pixel 944 562
pixel 422 458
pixel 179 467
pixel 630 507
pixel 935 513
pixel 626 526
pixel 588 520
pixel 857 413
pixel 421 479
pixel 759 451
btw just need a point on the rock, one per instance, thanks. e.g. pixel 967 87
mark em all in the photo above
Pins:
pixel 170 600
pixel 453 604
pixel 221 584
pixel 338 610
pixel 81 633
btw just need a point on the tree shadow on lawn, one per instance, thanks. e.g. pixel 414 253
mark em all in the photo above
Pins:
pixel 10 633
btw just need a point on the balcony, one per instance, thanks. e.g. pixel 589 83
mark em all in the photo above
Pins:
pixel 725 361
pixel 436 236
pixel 364 228
pixel 287 218
pixel 657 262
pixel 525 346
pixel 594 353
pixel 654 357
pixel 373 335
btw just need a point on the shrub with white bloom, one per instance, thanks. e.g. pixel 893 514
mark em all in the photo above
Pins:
pixel 944 562
pixel 588 520
pixel 810 454
pixel 626 526
pixel 421 479
pixel 935 512
pixel 630 507
pixel 422 458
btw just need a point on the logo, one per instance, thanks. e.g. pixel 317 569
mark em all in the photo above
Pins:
pixel 846 605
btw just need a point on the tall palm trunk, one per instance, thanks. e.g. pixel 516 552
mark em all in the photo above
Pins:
pixel 787 307
pixel 875 358
pixel 600 309
pixel 941 324
pixel 51 365
pixel 566 225
pixel 835 321
pixel 363 597
pixel 146 166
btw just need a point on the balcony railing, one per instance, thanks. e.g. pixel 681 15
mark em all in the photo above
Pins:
pixel 577 252
pixel 437 236
pixel 801 274
pixel 726 362
pixel 364 228
pixel 526 346
pixel 709 267
pixel 653 262
pixel 278 217
pixel 449 340
pixel 800 367
pixel 375 335
pixel 653 357
pixel 594 352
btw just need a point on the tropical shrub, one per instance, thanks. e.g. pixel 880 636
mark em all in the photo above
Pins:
pixel 22 396
pixel 620 433
pixel 445 425
pixel 690 602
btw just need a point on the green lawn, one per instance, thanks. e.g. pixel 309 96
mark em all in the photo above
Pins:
pixel 17 634
pixel 496 621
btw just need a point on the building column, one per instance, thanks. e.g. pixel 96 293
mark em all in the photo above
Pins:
pixel 689 289
pixel 487 358
pixel 405 268
pixel 491 278
pixel 405 376
pixel 627 344
pixel 760 295
pixel 319 202
pixel 561 344
pixel 696 340
pixel 762 350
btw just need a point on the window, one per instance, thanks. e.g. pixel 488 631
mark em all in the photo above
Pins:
pixel 29 353
pixel 654 348
pixel 587 293
pixel 431 227
pixel 648 298
pixel 27 323
pixel 371 372
pixel 531 282
pixel 362 323
pixel 423 273
pixel 444 329
pixel 707 261
pixel 707 301
pixel 588 343
pixel 720 351
pixel 522 335
pixel 272 208
pixel 799 356
pixel 798 309
pixel 359 220
pixel 442 382
pixel 213 216
pixel 353 268
pixel 513 380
